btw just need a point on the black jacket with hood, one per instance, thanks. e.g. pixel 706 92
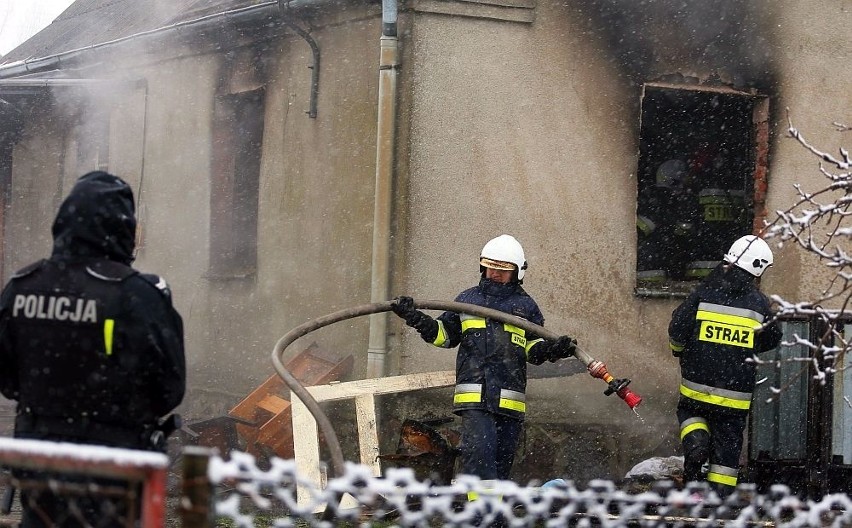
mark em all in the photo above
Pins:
pixel 90 348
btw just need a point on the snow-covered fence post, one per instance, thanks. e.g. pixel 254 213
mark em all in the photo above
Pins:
pixel 196 501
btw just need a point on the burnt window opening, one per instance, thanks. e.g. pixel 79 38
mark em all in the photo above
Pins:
pixel 700 154
pixel 237 147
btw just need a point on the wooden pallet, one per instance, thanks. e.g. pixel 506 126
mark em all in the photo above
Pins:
pixel 263 418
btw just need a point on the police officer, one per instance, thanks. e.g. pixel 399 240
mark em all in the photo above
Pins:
pixel 491 362
pixel 714 332
pixel 91 349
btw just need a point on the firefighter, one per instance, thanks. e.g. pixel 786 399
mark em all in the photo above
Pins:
pixel 720 204
pixel 491 361
pixel 714 333
pixel 665 225
pixel 90 348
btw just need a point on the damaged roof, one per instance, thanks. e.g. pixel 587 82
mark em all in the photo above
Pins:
pixel 90 22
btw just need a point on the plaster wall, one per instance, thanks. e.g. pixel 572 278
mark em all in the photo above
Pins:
pixel 525 129
pixel 530 129
pixel 812 41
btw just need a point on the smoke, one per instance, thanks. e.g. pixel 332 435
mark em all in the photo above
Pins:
pixel 708 39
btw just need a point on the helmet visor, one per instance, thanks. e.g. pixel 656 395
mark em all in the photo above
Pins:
pixel 496 264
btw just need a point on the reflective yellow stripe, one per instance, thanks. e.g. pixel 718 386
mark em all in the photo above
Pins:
pixel 517 335
pixel 109 326
pixel 723 325
pixel 676 347
pixel 693 427
pixel 645 224
pixel 531 344
pixel 467 397
pixel 727 480
pixel 514 329
pixel 513 405
pixel 735 320
pixel 486 489
pixel 441 338
pixel 714 399
pixel 467 324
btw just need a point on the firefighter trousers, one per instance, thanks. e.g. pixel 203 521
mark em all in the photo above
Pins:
pixel 714 437
pixel 488 444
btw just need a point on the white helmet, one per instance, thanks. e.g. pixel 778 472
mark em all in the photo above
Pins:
pixel 504 249
pixel 750 253
pixel 671 173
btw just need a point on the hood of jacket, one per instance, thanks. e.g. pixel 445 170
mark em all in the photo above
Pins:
pixel 96 220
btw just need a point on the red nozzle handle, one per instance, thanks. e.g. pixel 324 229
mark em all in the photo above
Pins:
pixel 630 398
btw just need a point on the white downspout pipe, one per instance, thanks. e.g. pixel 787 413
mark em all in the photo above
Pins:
pixel 377 348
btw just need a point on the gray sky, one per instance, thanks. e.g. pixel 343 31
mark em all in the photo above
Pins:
pixel 21 19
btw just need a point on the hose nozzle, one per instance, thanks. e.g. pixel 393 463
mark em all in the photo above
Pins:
pixel 630 398
pixel 618 386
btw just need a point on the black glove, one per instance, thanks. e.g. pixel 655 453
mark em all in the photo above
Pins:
pixel 403 306
pixel 563 347
pixel 427 327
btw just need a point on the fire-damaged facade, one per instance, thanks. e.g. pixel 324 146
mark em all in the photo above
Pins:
pixel 294 158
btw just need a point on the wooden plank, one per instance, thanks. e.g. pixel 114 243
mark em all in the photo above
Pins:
pixel 368 434
pixel 305 432
pixel 306 447
pixel 274 404
pixel 378 386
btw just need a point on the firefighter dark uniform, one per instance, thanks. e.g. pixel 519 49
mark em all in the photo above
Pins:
pixel 91 349
pixel 491 371
pixel 722 213
pixel 666 222
pixel 722 324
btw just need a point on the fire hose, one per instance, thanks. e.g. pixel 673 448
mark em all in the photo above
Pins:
pixel 596 368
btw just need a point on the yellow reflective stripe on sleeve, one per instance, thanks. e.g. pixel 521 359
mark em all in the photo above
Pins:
pixel 715 399
pixel 531 344
pixel 109 327
pixel 441 338
pixel 467 324
pixel 676 347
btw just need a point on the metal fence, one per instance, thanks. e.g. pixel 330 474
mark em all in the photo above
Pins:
pixel 116 487
pixel 245 493
pixel 61 484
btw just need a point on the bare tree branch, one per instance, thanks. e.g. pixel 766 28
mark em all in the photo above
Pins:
pixel 819 223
